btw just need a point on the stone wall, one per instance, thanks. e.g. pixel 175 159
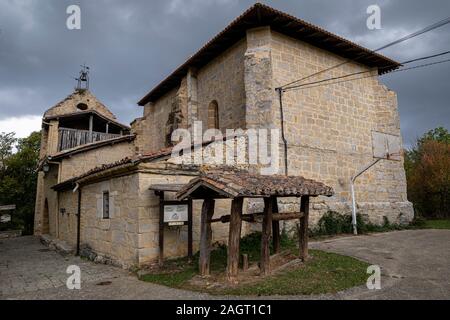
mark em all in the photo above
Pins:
pixel 69 105
pixel 175 238
pixel 329 131
pixel 116 238
pixel 259 88
pixel 83 162
pixel 222 80
pixel 131 236
pixel 46 202
pixel 67 217
pixel 150 129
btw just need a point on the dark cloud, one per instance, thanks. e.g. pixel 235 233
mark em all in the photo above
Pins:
pixel 132 45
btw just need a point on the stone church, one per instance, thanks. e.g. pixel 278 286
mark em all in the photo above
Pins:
pixel 97 176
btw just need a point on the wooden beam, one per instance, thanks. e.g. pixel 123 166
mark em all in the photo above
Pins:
pixel 205 236
pixel 227 218
pixel 161 228
pixel 287 216
pixel 91 127
pixel 234 239
pixel 265 237
pixel 303 230
pixel 275 227
pixel 190 230
pixel 245 262
pixel 252 217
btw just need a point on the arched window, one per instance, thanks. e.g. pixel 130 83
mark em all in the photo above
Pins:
pixel 213 115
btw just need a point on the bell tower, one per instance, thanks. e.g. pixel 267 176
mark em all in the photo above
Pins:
pixel 83 79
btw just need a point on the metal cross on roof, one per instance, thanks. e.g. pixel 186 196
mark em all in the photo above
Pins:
pixel 83 79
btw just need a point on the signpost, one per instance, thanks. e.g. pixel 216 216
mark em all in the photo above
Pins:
pixel 8 207
pixel 172 214
pixel 176 214
pixel 6 217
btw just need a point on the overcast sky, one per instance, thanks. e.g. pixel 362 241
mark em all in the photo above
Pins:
pixel 132 45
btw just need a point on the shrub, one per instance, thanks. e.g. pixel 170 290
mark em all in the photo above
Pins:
pixel 334 223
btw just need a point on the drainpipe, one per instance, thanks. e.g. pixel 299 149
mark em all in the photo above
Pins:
pixel 77 187
pixel 283 137
pixel 352 186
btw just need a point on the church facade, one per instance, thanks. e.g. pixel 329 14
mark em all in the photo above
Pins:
pixel 96 174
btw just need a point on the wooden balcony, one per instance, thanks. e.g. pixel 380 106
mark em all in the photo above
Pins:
pixel 71 138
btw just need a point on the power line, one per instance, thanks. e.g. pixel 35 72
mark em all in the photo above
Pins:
pixel 410 36
pixel 417 33
pixel 363 72
pixel 427 57
pixel 371 76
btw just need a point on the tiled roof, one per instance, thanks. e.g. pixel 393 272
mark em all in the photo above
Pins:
pixel 235 183
pixel 70 182
pixel 262 15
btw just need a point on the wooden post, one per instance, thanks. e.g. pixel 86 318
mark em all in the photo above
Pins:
pixel 91 127
pixel 234 239
pixel 190 230
pixel 275 227
pixel 245 262
pixel 161 228
pixel 205 236
pixel 303 230
pixel 265 237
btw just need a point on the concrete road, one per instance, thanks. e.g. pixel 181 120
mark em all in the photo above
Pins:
pixel 415 265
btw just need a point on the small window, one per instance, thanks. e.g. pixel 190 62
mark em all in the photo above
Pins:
pixel 82 106
pixel 213 115
pixel 105 204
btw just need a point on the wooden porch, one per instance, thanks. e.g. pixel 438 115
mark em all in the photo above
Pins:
pixel 238 185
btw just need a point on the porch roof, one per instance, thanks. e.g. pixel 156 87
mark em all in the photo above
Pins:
pixel 234 184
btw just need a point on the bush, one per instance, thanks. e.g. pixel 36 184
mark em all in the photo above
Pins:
pixel 334 223
pixel 419 222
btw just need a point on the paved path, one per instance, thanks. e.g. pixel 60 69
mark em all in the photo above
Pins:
pixel 415 265
pixel 28 270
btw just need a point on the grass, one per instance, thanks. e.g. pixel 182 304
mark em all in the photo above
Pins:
pixel 437 224
pixel 323 273
pixel 179 271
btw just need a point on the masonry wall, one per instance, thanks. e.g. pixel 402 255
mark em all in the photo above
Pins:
pixel 46 203
pixel 175 238
pixel 69 104
pixel 329 131
pixel 83 162
pixel 131 236
pixel 150 129
pixel 222 80
pixel 115 238
pixel 67 217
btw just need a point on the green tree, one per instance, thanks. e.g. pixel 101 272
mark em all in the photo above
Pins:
pixel 439 134
pixel 18 177
pixel 427 168
pixel 7 141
